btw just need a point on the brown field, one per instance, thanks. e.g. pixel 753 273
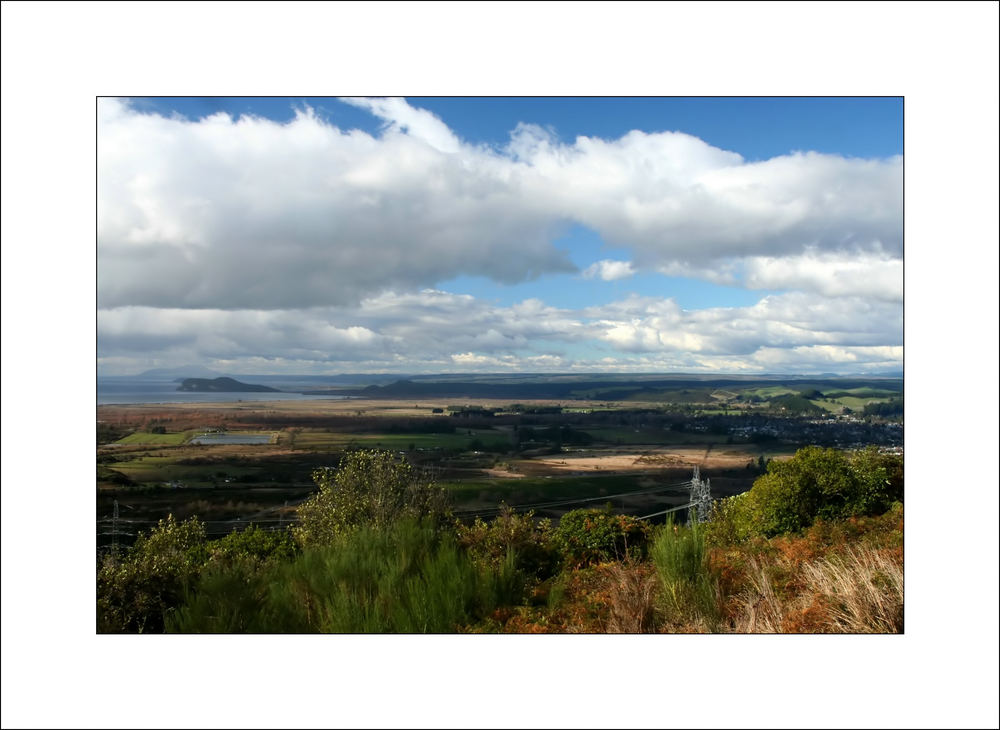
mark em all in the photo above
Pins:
pixel 629 459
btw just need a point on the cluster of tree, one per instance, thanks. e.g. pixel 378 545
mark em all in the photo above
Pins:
pixel 893 407
pixel 816 483
pixel 535 410
pixel 792 403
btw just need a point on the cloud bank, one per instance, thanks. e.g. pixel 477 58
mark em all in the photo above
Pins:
pixel 432 330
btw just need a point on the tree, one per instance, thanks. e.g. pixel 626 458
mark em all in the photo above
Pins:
pixel 814 484
pixel 372 488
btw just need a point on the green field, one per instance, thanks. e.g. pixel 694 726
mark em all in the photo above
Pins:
pixel 156 439
pixel 461 440
pixel 150 469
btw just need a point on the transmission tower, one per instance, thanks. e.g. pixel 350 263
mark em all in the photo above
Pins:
pixel 700 498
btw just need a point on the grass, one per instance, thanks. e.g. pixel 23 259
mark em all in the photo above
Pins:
pixel 857 592
pixel 165 468
pixel 401 441
pixel 157 439
pixel 632 604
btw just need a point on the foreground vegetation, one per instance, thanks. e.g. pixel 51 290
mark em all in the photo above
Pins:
pixel 815 546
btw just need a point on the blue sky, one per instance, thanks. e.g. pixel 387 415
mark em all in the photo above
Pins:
pixel 322 235
pixel 756 127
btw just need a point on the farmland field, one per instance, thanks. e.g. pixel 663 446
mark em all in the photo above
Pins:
pixel 161 439
pixel 482 451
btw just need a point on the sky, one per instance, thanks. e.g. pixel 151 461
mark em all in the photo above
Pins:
pixel 309 235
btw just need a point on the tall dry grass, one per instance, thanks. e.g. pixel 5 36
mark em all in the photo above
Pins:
pixel 857 592
pixel 864 591
pixel 632 600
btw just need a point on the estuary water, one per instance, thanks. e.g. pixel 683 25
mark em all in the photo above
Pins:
pixel 119 391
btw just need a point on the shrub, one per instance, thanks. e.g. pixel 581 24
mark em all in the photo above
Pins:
pixel 594 535
pixel 730 521
pixel 370 488
pixel 690 591
pixel 135 593
pixel 406 578
pixel 530 542
pixel 253 545
pixel 814 484
pixel 229 598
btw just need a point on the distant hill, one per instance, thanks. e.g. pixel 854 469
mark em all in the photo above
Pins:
pixel 223 385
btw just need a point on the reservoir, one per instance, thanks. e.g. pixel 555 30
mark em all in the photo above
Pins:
pixel 231 438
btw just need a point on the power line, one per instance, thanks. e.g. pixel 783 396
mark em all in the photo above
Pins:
pixel 668 511
pixel 605 497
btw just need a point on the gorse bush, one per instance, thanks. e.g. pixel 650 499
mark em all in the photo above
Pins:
pixel 229 598
pixel 370 488
pixel 135 592
pixel 138 592
pixel 587 536
pixel 253 545
pixel 530 543
pixel 406 578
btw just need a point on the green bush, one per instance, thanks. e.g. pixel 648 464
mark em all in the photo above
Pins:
pixel 689 589
pixel 370 488
pixel 814 484
pixel 229 598
pixel 406 578
pixel 730 521
pixel 253 545
pixel 529 542
pixel 135 592
pixel 587 536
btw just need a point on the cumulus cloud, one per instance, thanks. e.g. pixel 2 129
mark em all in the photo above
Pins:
pixel 609 270
pixel 246 213
pixel 433 330
pixel 868 274
pixel 645 324
pixel 250 213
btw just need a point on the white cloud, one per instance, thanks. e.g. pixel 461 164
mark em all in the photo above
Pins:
pixel 609 270
pixel 248 213
pixel 433 330
pixel 417 123
pixel 869 275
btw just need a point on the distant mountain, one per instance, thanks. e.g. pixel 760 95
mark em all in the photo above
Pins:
pixel 184 371
pixel 222 385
